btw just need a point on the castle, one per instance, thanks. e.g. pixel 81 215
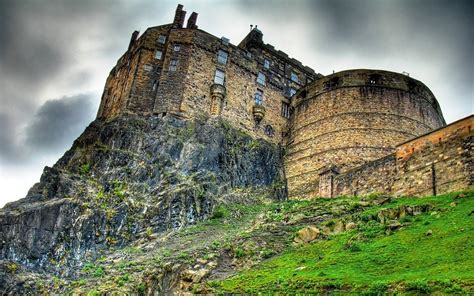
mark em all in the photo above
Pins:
pixel 352 132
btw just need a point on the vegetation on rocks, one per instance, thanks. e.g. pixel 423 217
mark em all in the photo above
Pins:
pixel 163 206
pixel 374 258
pixel 254 247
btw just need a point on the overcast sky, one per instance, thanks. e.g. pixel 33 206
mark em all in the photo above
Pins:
pixel 55 56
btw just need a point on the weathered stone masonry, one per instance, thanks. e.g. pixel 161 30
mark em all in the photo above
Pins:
pixel 352 117
pixel 438 162
pixel 341 132
pixel 172 70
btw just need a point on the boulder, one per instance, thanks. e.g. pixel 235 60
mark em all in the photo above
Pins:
pixel 307 234
pixel 339 227
pixel 351 225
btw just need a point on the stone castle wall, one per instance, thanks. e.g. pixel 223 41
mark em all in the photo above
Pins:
pixel 143 82
pixel 353 117
pixel 438 162
pixel 351 120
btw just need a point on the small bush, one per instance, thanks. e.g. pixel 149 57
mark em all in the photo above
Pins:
pixel 99 272
pixel 354 247
pixel 220 212
pixel 84 169
pixel 239 252
pixel 406 219
pixel 378 288
pixel 141 289
pixel 267 253
pixel 419 286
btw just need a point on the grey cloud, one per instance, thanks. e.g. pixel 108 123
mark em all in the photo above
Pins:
pixel 58 122
pixel 50 130
pixel 7 138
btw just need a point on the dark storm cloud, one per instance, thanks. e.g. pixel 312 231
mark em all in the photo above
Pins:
pixel 7 137
pixel 44 46
pixel 50 130
pixel 58 122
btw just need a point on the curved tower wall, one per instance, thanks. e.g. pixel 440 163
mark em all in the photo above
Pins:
pixel 352 117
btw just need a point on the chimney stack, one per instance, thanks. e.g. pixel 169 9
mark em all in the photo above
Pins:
pixel 192 21
pixel 179 17
pixel 133 39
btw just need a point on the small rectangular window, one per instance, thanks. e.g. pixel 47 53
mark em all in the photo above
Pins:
pixel 266 64
pixel 162 39
pixel 219 77
pixel 147 68
pixel 259 97
pixel 291 91
pixel 294 77
pixel 173 65
pixel 158 54
pixel 261 78
pixel 177 47
pixel 285 110
pixel 222 57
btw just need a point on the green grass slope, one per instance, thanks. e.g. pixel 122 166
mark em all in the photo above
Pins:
pixel 366 245
pixel 427 250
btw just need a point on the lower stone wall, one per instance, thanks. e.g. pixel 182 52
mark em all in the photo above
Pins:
pixel 435 163
pixel 375 176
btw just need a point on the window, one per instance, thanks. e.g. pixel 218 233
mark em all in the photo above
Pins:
pixel 222 57
pixel 158 54
pixel 173 65
pixel 374 79
pixel 294 77
pixel 177 47
pixel 261 78
pixel 259 97
pixel 269 131
pixel 285 110
pixel 219 77
pixel 162 39
pixel 291 91
pixel 266 64
pixel 147 68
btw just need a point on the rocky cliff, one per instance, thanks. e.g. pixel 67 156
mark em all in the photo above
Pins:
pixel 128 178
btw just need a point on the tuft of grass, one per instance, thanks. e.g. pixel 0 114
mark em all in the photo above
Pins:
pixel 84 169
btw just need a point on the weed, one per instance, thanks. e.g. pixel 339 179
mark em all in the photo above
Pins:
pixel 239 252
pixel 419 285
pixel 84 169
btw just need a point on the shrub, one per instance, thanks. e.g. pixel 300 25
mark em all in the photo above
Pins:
pixel 378 288
pixel 267 253
pixel 220 212
pixel 418 285
pixel 84 169
pixel 239 252
pixel 141 289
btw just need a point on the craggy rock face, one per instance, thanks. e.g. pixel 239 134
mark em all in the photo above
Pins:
pixel 128 176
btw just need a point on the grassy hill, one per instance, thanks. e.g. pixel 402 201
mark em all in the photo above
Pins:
pixel 365 245
pixel 425 250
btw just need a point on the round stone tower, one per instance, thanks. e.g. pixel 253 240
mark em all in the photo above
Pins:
pixel 351 117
